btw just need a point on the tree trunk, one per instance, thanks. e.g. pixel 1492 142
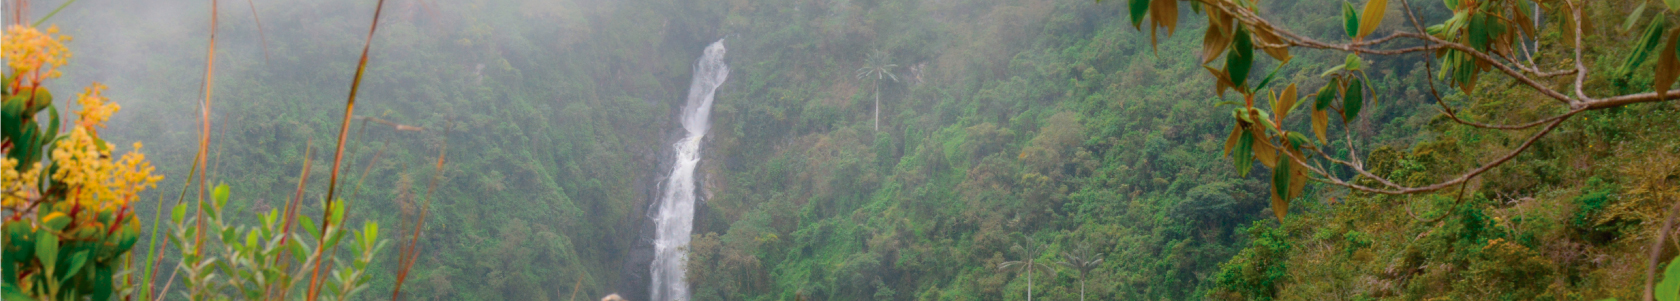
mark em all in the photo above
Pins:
pixel 1029 279
pixel 1081 288
pixel 878 128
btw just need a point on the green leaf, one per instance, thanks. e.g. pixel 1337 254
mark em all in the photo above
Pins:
pixel 1672 4
pixel 1270 76
pixel 1325 95
pixel 1280 180
pixel 1139 9
pixel 221 196
pixel 1647 42
pixel 103 288
pixel 1669 288
pixel 1372 16
pixel 1241 57
pixel 1332 70
pixel 1634 17
pixel 46 247
pixel 55 221
pixel 1350 20
pixel 309 226
pixel 370 233
pixel 76 262
pixel 1353 63
pixel 52 125
pixel 180 213
pixel 1245 153
pixel 1352 100
pixel 11 292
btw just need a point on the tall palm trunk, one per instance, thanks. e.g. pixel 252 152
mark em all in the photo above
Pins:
pixel 1081 289
pixel 878 126
pixel 1029 280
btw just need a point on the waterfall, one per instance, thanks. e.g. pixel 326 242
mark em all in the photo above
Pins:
pixel 674 219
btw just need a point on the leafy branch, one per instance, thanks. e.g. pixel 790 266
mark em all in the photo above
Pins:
pixel 1481 37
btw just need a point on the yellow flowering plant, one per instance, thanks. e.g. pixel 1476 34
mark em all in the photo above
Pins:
pixel 67 221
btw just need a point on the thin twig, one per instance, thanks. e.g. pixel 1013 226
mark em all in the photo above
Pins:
pixel 338 155
pixel 406 258
pixel 204 135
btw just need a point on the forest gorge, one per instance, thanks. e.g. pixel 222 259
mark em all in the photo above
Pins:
pixel 859 150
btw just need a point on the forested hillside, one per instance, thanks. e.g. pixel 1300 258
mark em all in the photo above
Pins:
pixel 1011 133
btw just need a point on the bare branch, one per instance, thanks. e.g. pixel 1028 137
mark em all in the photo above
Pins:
pixel 1327 178
pixel 1581 68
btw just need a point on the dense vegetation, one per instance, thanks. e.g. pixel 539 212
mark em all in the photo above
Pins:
pixel 1025 132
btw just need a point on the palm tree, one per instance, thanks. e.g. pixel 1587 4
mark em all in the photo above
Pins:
pixel 1083 261
pixel 878 65
pixel 1028 263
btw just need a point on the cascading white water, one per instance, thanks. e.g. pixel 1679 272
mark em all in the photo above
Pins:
pixel 675 218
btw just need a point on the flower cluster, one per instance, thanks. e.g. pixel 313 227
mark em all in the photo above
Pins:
pixel 19 185
pixel 95 110
pixel 27 50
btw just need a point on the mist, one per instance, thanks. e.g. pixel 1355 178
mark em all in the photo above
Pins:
pixel 887 149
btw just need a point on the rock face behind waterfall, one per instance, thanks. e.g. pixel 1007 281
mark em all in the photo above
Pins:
pixel 672 217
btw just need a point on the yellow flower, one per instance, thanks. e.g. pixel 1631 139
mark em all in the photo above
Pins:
pixel 19 186
pixel 94 180
pixel 95 110
pixel 82 169
pixel 133 175
pixel 28 50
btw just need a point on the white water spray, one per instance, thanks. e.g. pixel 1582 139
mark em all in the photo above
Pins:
pixel 675 217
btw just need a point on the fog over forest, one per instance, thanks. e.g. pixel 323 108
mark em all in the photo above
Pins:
pixel 878 149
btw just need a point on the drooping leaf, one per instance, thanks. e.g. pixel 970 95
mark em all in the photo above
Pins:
pixel 1286 102
pixel 1214 42
pixel 1231 142
pixel 1320 122
pixel 1273 45
pixel 1280 190
pixel 1138 9
pixel 1164 14
pixel 1350 20
pixel 1668 65
pixel 1297 179
pixel 1264 151
pixel 1220 80
pixel 1372 16
pixel 1245 153
pixel 1352 100
pixel 1280 181
pixel 1240 59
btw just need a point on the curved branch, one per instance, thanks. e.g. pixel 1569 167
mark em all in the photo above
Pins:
pixel 1248 17
pixel 1327 178
pixel 1581 75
